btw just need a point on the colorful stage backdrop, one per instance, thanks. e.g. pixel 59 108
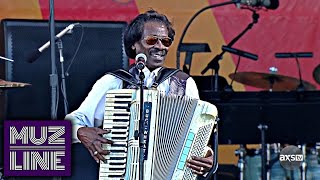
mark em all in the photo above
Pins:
pixel 293 27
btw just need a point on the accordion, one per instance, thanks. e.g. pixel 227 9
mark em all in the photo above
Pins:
pixel 175 128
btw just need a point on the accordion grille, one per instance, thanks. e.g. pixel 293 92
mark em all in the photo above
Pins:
pixel 174 119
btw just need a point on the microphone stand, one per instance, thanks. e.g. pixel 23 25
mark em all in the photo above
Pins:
pixel 191 20
pixel 63 80
pixel 53 76
pixel 300 87
pixel 214 63
pixel 141 127
pixel 215 156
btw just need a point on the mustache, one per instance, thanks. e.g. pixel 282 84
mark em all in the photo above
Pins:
pixel 158 51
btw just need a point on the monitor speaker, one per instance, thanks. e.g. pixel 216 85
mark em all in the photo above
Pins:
pixel 90 50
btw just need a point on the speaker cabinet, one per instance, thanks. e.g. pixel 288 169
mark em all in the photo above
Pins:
pixel 89 50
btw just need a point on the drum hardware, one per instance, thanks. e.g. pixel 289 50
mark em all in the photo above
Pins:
pixel 296 55
pixel 4 85
pixel 317 151
pixel 8 84
pixel 241 111
pixel 303 167
pixel 266 80
pixel 241 153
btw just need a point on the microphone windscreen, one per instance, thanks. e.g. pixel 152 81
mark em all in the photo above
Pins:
pixel 33 56
pixel 141 55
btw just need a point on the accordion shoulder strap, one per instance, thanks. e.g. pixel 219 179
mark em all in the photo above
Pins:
pixel 166 73
pixel 163 74
pixel 125 76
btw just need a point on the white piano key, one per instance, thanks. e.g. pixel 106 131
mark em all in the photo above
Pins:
pixel 112 173
pixel 113 154
pixel 109 166
pixel 113 148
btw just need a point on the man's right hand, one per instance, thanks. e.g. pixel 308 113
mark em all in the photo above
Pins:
pixel 91 138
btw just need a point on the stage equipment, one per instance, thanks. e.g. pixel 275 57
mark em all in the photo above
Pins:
pixel 36 54
pixel 267 117
pixel 7 59
pixel 214 63
pixel 101 51
pixel 270 81
pixel 268 4
pixel 8 84
pixel 240 52
pixel 296 55
pixel 191 48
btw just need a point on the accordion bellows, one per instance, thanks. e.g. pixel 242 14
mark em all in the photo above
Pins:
pixel 175 128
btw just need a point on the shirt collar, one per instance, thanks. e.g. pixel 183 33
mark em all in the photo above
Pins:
pixel 147 72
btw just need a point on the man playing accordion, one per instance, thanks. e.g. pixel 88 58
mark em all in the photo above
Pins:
pixel 149 33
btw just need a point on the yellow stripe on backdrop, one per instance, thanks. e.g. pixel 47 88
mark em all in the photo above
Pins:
pixel 20 9
pixel 204 29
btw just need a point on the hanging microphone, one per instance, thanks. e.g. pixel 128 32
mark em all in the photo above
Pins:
pixel 141 59
pixel 240 52
pixel 269 4
pixel 294 55
pixel 36 54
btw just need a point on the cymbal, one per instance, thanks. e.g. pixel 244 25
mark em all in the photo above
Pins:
pixel 264 81
pixel 9 84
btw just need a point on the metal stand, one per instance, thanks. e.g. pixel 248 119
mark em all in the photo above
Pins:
pixel 241 152
pixel 213 64
pixel 141 128
pixel 63 81
pixel 193 18
pixel 303 167
pixel 53 81
pixel 214 61
pixel 264 151
pixel 7 59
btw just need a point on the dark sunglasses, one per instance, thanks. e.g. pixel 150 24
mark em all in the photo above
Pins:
pixel 152 40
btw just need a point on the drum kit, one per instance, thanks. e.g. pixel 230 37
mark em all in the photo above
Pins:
pixel 248 164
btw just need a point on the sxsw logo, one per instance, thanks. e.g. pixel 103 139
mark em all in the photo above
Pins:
pixel 37 148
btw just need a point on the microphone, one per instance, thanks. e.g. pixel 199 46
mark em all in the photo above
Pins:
pixel 141 59
pixel 294 55
pixel 36 54
pixel 7 59
pixel 240 52
pixel 269 4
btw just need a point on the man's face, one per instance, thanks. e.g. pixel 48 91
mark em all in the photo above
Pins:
pixel 152 45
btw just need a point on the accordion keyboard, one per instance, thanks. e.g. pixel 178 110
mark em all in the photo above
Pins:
pixel 117 117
